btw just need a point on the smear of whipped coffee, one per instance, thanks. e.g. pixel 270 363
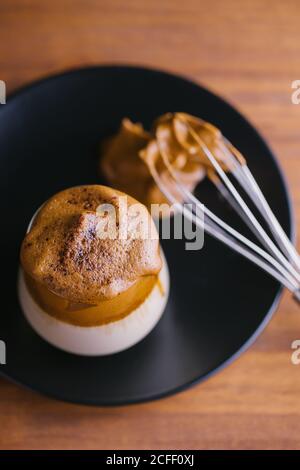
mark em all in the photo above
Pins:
pixel 178 138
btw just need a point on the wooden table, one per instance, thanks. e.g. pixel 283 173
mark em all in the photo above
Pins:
pixel 249 53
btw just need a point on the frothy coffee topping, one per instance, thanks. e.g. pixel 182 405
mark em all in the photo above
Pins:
pixel 64 253
pixel 126 156
pixel 123 167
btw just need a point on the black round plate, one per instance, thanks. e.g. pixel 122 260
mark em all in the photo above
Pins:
pixel 219 302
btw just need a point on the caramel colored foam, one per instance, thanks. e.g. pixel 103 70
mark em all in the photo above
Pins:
pixel 124 169
pixel 125 157
pixel 63 253
pixel 121 165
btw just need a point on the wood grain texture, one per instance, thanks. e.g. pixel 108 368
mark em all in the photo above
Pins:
pixel 247 51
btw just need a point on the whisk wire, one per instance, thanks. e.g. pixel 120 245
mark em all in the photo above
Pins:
pixel 259 229
pixel 220 235
pixel 283 267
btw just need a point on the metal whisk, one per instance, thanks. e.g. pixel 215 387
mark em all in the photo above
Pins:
pixel 278 257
